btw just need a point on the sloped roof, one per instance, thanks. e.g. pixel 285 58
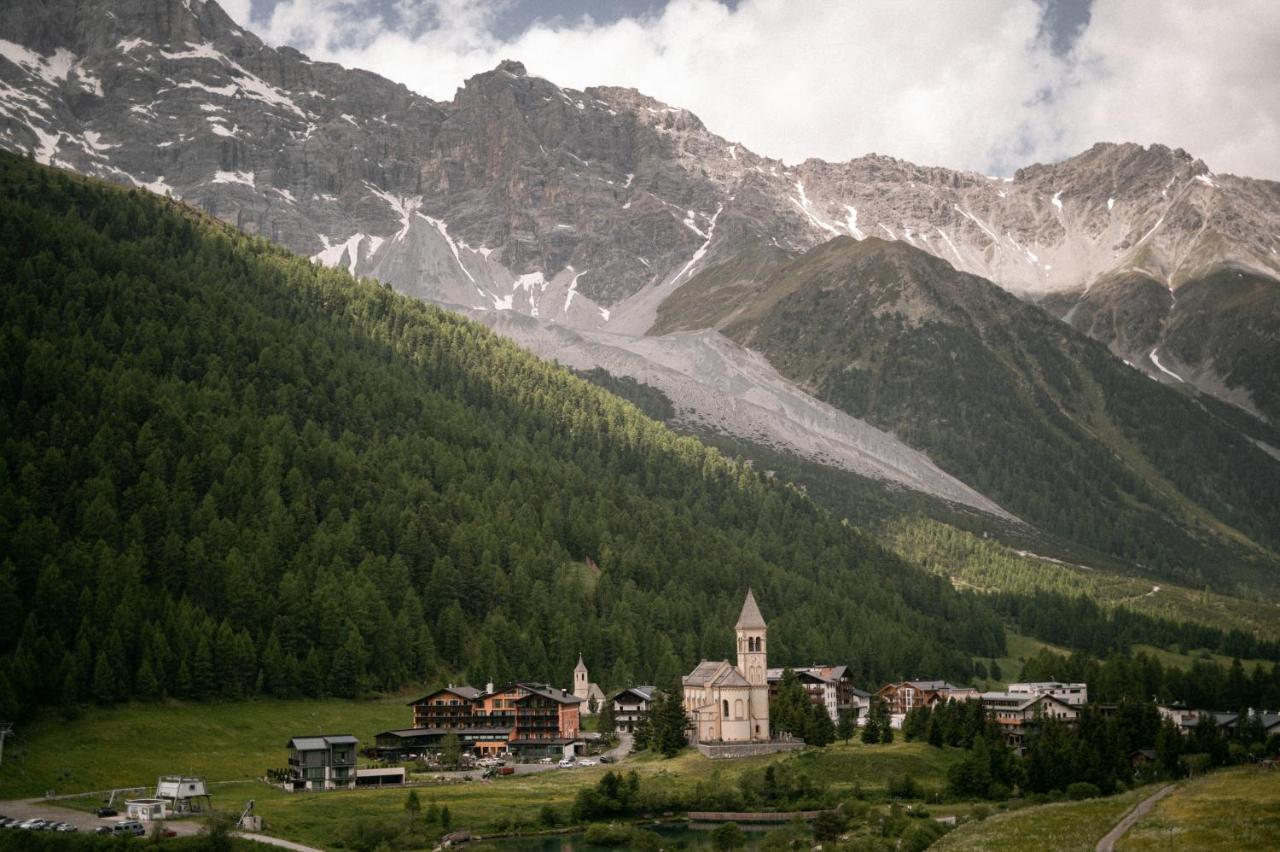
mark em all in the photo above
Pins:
pixel 750 619
pixel 704 672
pixel 316 742
pixel 470 693
pixel 645 693
pixel 931 685
pixel 558 695
pixel 581 666
pixel 730 677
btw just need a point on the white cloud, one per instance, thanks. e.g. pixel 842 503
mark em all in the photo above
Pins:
pixel 1203 76
pixel 967 85
pixel 238 10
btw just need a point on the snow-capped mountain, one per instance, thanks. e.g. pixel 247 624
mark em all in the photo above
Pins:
pixel 585 210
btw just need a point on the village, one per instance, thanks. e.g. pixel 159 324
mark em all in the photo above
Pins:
pixel 726 711
pixel 526 726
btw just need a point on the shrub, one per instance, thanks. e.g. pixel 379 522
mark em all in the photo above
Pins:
pixel 728 836
pixel 1082 790
pixel 903 787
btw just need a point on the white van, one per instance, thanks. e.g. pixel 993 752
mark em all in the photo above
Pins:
pixel 128 828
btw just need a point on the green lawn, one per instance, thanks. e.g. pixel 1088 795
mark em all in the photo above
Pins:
pixel 1229 810
pixel 133 744
pixel 232 744
pixel 1060 827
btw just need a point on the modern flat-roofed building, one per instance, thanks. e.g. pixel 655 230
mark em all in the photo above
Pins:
pixel 1075 694
pixel 322 762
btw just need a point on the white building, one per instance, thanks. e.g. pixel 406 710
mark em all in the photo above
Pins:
pixel 730 703
pixel 182 794
pixel 592 696
pixel 1075 694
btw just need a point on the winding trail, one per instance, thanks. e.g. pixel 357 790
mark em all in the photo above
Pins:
pixel 1108 843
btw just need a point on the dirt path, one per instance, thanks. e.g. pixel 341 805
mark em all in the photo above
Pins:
pixel 274 841
pixel 1108 843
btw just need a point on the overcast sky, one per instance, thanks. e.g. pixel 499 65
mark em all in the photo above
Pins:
pixel 988 85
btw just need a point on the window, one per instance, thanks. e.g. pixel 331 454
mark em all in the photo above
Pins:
pixel 737 709
pixel 726 708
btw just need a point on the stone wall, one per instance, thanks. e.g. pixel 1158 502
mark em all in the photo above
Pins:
pixel 725 751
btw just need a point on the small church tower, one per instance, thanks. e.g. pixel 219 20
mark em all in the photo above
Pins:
pixel 582 682
pixel 753 663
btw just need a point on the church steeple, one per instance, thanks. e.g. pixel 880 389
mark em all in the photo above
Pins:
pixel 752 632
pixel 750 619
pixel 581 680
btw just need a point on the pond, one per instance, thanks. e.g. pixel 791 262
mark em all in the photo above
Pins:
pixel 679 835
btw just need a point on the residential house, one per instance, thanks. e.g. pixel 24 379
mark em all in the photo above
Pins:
pixel 450 707
pixel 821 690
pixel 522 717
pixel 630 705
pixel 322 762
pixel 1187 718
pixel 1016 714
pixel 1075 694
pixel 901 698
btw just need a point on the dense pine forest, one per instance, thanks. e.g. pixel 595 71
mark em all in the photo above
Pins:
pixel 228 471
pixel 1042 419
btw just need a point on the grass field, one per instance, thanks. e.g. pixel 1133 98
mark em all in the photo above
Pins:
pixel 133 744
pixel 231 744
pixel 1229 810
pixel 1060 827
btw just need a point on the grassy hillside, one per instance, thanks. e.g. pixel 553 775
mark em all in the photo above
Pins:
pixel 1058 827
pixel 985 565
pixel 228 471
pixel 1232 809
pixel 130 745
pixel 1013 402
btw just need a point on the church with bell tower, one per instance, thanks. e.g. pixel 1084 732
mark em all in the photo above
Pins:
pixel 730 703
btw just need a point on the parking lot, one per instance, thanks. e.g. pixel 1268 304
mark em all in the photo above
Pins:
pixel 22 809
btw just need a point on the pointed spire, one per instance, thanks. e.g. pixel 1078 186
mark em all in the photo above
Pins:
pixel 750 619
pixel 581 666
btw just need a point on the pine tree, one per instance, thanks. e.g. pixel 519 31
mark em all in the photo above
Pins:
pixel 608 724
pixel 146 684
pixel 846 727
pixel 104 680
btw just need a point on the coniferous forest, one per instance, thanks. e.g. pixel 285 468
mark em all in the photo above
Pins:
pixel 228 471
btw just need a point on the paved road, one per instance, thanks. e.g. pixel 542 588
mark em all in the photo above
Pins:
pixel 33 808
pixel 1108 843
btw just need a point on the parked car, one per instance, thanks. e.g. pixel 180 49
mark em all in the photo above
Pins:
pixel 102 829
pixel 127 828
pixel 546 760
pixel 106 811
pixel 587 762
pixel 607 758
pixel 565 762
pixel 506 770
pixel 168 832
pixel 32 824
pixel 66 826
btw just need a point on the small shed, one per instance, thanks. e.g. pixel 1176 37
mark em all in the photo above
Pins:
pixel 378 776
pixel 146 809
